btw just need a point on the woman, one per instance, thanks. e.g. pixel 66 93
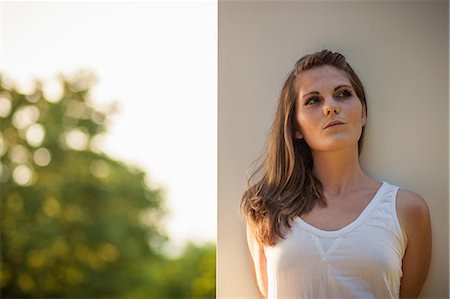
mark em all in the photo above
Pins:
pixel 317 225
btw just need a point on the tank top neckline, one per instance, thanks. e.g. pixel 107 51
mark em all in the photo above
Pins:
pixel 349 227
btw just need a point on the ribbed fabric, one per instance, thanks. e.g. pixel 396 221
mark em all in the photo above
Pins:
pixel 361 260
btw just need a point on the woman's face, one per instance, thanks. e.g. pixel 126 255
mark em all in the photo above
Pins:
pixel 326 95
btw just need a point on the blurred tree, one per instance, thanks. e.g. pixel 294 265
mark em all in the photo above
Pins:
pixel 194 272
pixel 74 222
pixel 190 275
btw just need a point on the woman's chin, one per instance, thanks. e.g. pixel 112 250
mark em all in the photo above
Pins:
pixel 336 144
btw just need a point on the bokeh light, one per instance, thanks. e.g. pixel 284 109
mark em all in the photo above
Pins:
pixel 5 104
pixel 3 146
pixel 23 175
pixel 35 135
pixel 33 97
pixel 19 154
pixel 52 90
pixel 99 168
pixel 5 173
pixel 77 109
pixel 51 207
pixel 42 157
pixel 96 144
pixel 77 139
pixel 25 116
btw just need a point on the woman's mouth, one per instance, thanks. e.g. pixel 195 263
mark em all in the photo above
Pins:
pixel 333 124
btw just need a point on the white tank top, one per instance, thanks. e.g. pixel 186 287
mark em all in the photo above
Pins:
pixel 361 260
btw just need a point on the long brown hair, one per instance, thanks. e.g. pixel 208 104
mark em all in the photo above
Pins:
pixel 283 185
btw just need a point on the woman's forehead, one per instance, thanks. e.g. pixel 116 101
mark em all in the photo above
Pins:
pixel 322 77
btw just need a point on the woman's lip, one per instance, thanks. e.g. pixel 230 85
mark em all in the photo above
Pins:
pixel 333 125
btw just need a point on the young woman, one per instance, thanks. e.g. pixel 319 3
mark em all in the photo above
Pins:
pixel 317 225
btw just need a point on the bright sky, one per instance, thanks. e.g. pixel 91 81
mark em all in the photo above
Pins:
pixel 158 61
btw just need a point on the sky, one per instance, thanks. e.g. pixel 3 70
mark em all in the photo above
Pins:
pixel 158 62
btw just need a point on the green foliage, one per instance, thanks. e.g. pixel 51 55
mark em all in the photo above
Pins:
pixel 190 275
pixel 74 222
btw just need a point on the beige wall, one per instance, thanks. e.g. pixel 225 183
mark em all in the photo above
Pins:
pixel 399 50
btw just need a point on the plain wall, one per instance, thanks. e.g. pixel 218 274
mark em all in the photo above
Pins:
pixel 400 52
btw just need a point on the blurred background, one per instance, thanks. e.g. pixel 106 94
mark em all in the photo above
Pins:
pixel 108 139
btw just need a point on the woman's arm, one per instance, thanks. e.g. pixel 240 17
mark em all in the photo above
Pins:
pixel 414 218
pixel 259 261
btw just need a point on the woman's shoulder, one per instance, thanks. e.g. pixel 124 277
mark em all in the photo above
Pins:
pixel 410 202
pixel 412 210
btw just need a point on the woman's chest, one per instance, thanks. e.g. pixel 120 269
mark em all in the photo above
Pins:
pixel 368 250
pixel 336 215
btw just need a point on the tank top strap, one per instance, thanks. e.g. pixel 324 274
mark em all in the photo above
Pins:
pixel 390 197
pixel 391 200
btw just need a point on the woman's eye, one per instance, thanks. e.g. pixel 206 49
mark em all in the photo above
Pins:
pixel 312 100
pixel 344 94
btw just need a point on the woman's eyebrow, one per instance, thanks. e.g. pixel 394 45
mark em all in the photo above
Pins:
pixel 342 86
pixel 312 92
pixel 336 88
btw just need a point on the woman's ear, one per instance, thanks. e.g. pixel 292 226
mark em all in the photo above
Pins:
pixel 364 117
pixel 298 134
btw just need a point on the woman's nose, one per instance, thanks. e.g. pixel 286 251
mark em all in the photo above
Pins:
pixel 331 106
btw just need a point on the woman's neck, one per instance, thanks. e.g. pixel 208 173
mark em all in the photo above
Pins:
pixel 339 171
